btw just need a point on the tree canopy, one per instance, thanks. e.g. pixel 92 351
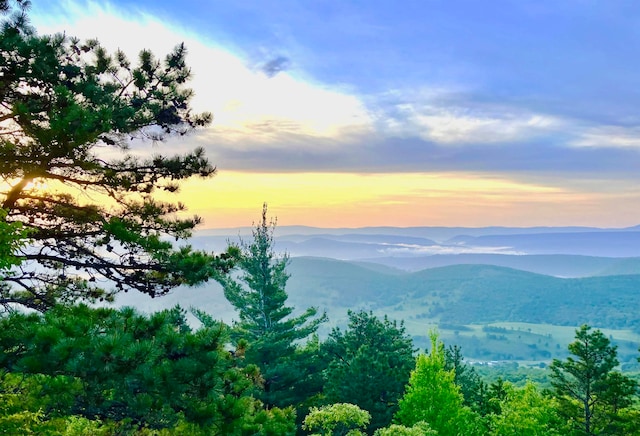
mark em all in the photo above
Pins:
pixel 369 365
pixel 70 113
pixel 120 366
pixel 433 397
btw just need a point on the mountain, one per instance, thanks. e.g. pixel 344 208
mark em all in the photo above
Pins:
pixel 494 312
pixel 595 243
pixel 468 294
pixel 439 234
pixel 557 251
pixel 559 265
pixel 499 292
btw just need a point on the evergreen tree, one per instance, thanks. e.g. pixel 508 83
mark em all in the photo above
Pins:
pixel 591 393
pixel 265 321
pixel 67 123
pixel 12 238
pixel 369 365
pixel 474 390
pixel 119 366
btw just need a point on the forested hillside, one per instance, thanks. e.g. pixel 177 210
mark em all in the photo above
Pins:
pixel 469 294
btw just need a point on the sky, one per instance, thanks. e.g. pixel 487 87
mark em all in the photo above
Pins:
pixel 344 113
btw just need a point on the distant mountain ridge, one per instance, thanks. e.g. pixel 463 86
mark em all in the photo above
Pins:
pixel 578 251
pixel 621 243
pixel 456 294
pixel 461 299
pixel 558 265
pixel 438 233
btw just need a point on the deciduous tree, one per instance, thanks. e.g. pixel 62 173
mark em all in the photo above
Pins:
pixel 433 397
pixel 526 412
pixel 338 419
pixel 419 429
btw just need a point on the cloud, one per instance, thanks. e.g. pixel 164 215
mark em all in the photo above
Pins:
pixel 609 137
pixel 455 126
pixel 266 104
pixel 275 65
pixel 458 116
pixel 270 116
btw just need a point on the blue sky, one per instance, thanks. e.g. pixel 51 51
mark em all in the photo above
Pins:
pixel 454 112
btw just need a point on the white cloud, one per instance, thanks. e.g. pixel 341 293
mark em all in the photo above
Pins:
pixel 609 137
pixel 246 103
pixel 454 125
pixel 252 109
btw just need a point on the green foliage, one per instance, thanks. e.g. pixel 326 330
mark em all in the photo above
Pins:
pixel 12 237
pixel 516 374
pixel 267 323
pixel 419 429
pixel 369 365
pixel 590 392
pixel 138 372
pixel 63 121
pixel 526 412
pixel 433 397
pixel 336 419
pixel 471 385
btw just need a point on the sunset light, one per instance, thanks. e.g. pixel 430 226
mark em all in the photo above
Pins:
pixel 332 141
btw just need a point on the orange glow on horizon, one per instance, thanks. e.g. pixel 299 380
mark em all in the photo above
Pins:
pixel 234 199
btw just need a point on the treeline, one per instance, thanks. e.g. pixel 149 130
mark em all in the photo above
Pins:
pixel 85 371
pixel 80 370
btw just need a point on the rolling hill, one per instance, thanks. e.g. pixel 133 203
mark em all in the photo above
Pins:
pixel 468 294
pixel 493 312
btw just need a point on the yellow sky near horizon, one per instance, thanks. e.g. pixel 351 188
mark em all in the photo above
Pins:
pixel 234 199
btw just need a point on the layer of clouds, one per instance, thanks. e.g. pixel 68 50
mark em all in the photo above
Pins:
pixel 277 109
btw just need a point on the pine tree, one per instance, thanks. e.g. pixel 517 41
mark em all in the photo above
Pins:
pixel 591 393
pixel 120 366
pixel 266 322
pixel 12 238
pixel 472 387
pixel 67 125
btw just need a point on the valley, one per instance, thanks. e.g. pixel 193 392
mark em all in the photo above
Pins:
pixel 485 292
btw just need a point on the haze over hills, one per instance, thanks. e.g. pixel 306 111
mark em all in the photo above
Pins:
pixel 468 304
pixel 558 251
pixel 501 293
pixel 437 233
